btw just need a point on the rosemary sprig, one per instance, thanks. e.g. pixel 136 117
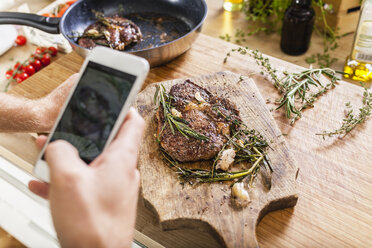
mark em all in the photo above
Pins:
pixel 351 120
pixel 252 151
pixel 293 86
pixel 163 100
pixel 249 146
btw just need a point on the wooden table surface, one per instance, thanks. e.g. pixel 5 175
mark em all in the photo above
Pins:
pixel 334 184
pixel 348 214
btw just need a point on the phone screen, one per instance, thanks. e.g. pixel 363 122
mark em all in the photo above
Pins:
pixel 93 109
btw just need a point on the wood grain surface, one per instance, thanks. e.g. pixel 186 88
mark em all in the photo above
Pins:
pixel 335 184
pixel 208 206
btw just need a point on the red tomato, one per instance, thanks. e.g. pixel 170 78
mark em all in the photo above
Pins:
pixel 71 2
pixel 40 50
pixel 36 64
pixel 62 10
pixel 48 15
pixel 19 80
pixel 17 65
pixel 9 74
pixel 53 51
pixel 45 60
pixel 29 69
pixel 21 40
pixel 22 76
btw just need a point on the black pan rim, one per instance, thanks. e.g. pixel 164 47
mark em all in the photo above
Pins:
pixel 136 51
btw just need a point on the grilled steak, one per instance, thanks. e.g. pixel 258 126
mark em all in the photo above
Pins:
pixel 116 32
pixel 207 114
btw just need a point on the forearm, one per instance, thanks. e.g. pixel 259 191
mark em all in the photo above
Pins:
pixel 19 114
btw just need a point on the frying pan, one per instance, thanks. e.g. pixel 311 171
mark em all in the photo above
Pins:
pixel 169 27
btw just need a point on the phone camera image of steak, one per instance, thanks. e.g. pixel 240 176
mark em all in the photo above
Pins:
pixel 207 114
pixel 116 32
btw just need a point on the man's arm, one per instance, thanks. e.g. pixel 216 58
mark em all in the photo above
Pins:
pixel 19 114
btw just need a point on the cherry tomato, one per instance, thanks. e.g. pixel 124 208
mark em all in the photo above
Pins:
pixel 62 10
pixel 48 15
pixel 21 40
pixel 71 2
pixel 19 80
pixel 36 64
pixel 53 51
pixel 9 74
pixel 22 76
pixel 40 50
pixel 17 65
pixel 29 69
pixel 45 60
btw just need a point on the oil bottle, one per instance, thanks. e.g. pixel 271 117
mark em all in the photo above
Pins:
pixel 233 5
pixel 297 27
pixel 358 65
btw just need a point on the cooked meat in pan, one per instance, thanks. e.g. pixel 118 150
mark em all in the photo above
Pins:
pixel 208 115
pixel 116 32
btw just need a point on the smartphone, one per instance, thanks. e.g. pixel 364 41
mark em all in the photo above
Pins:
pixel 96 107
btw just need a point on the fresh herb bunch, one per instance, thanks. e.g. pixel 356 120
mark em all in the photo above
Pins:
pixel 268 16
pixel 250 147
pixel 293 86
pixel 163 100
pixel 266 12
pixel 330 37
pixel 351 120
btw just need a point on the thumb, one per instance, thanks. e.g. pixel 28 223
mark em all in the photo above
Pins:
pixel 63 160
pixel 40 141
pixel 39 188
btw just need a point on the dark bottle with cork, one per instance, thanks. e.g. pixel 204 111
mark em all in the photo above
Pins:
pixel 297 27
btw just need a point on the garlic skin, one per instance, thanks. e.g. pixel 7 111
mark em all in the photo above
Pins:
pixel 192 106
pixel 223 128
pixel 226 159
pixel 93 32
pixel 199 97
pixel 176 113
pixel 240 143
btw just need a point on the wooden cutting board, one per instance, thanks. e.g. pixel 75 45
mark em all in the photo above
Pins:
pixel 335 180
pixel 207 206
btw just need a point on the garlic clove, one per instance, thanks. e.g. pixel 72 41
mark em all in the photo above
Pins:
pixel 176 113
pixel 226 159
pixel 198 97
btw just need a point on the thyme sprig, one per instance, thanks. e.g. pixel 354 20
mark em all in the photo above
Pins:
pixel 163 99
pixel 351 120
pixel 249 146
pixel 266 16
pixel 293 86
pixel 330 37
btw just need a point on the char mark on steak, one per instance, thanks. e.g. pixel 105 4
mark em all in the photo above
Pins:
pixel 207 114
pixel 116 32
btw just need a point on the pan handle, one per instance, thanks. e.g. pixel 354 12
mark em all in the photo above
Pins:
pixel 47 24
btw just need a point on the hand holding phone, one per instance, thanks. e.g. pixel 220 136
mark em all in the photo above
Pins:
pixel 97 105
pixel 106 192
